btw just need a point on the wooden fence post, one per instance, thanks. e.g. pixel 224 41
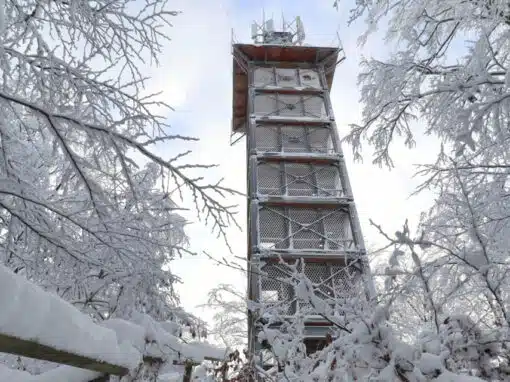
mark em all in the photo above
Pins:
pixel 188 369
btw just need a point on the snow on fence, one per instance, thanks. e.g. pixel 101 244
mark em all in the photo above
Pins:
pixel 38 324
pixel 61 373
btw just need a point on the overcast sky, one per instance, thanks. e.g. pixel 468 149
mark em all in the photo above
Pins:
pixel 196 77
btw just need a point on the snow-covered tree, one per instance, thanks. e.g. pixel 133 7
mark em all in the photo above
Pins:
pixel 88 208
pixel 449 69
pixel 447 76
pixel 230 315
pixel 77 208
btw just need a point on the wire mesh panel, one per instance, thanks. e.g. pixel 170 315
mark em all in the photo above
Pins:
pixel 328 181
pixel 289 105
pixel 346 280
pixel 330 282
pixel 276 291
pixel 270 179
pixel 263 76
pixel 294 139
pixel 314 107
pixel 309 229
pixel 273 230
pixel 298 179
pixel 309 78
pixel 320 275
pixel 287 77
pixel 306 229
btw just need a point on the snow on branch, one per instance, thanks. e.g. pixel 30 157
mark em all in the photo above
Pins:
pixel 448 71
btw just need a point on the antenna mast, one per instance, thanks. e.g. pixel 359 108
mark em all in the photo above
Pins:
pixel 291 34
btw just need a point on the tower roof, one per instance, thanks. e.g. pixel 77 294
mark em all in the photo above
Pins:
pixel 271 54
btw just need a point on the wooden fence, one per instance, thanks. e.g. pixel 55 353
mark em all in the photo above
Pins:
pixel 32 349
pixel 21 345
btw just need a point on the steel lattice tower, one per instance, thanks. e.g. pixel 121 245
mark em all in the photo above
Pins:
pixel 300 203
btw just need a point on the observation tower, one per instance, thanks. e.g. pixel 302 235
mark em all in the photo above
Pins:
pixel 300 205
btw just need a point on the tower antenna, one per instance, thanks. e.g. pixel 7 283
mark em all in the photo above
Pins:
pixel 290 34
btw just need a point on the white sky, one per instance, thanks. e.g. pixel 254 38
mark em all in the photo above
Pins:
pixel 196 77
